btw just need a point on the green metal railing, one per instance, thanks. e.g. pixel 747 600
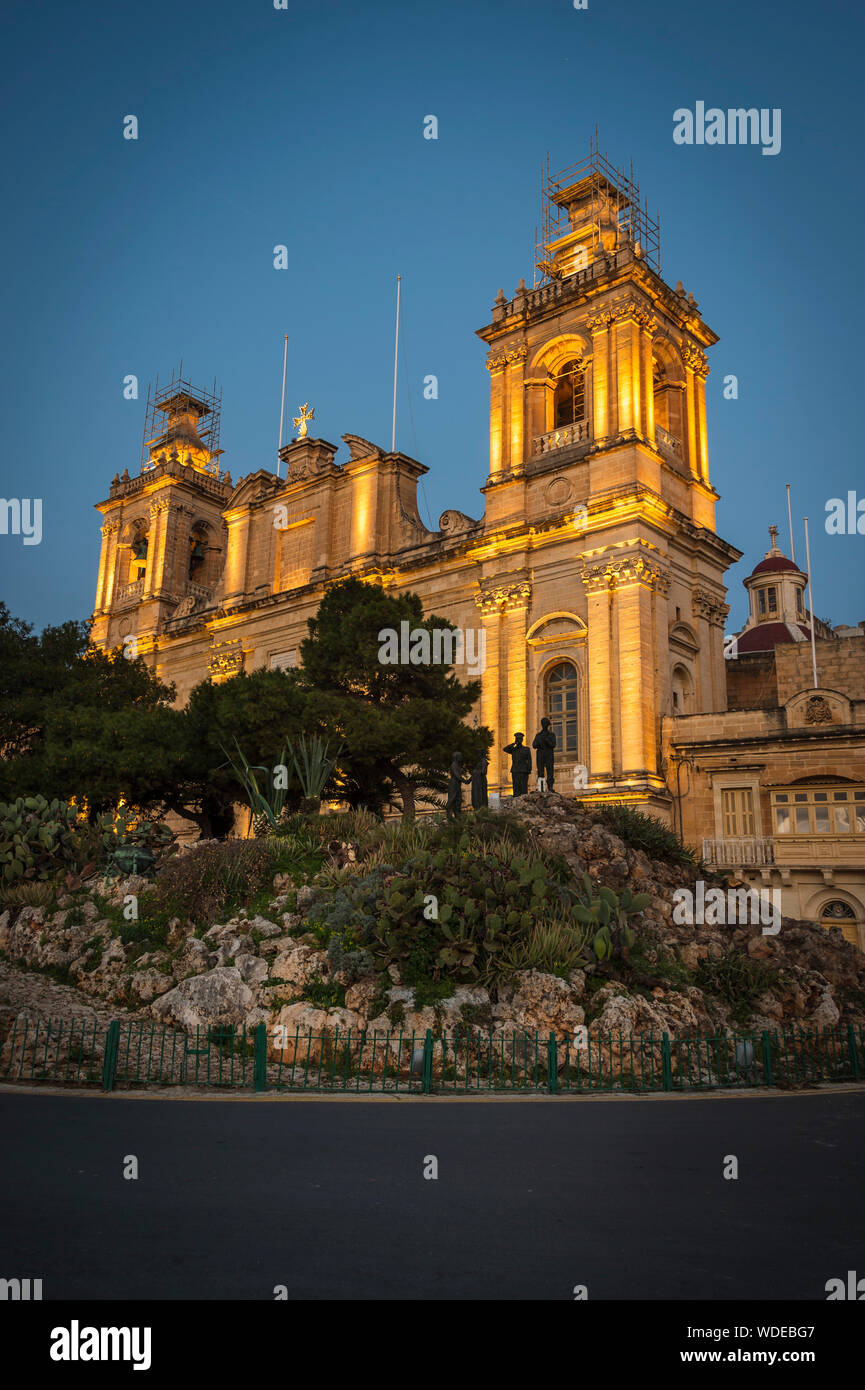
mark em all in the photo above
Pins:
pixel 462 1061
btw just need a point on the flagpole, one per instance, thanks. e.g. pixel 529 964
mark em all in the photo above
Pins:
pixel 282 402
pixel 395 349
pixel 811 605
pixel 790 524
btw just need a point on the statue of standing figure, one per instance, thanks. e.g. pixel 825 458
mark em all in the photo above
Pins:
pixel 544 744
pixel 458 778
pixel 479 783
pixel 521 765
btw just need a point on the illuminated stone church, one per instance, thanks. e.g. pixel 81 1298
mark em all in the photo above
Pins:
pixel 595 569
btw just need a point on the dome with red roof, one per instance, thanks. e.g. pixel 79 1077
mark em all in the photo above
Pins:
pixel 775 562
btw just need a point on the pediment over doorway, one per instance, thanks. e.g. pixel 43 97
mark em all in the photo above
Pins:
pixel 556 627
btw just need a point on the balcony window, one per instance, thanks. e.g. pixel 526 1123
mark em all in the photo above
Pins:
pixel 819 811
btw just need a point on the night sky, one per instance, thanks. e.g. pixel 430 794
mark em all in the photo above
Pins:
pixel 304 127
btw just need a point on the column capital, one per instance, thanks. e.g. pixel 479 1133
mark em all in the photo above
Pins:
pixel 695 359
pixel 497 360
pixel 503 593
pixel 629 309
pixel 615 569
pixel 710 606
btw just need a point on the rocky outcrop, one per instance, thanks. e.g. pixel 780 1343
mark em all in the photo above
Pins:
pixel 258 968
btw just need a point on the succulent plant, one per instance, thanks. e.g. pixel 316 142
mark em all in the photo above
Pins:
pixel 608 913
pixel 36 837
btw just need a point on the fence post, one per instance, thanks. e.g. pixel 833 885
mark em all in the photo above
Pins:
pixel 666 1062
pixel 552 1064
pixel 767 1058
pixel 109 1061
pixel 259 1058
pixel 427 1062
pixel 851 1047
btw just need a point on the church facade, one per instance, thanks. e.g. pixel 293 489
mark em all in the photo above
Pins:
pixel 595 571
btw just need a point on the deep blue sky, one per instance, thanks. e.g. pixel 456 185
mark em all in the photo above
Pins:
pixel 304 127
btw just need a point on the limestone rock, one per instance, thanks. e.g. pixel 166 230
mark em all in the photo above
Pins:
pixel 264 927
pixel 540 1003
pixel 203 1001
pixel 149 984
pixel 299 965
pixel 359 996
pixel 252 969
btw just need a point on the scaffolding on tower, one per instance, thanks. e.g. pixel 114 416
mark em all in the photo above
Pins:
pixel 163 433
pixel 596 185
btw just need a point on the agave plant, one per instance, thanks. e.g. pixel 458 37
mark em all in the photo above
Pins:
pixel 269 807
pixel 313 766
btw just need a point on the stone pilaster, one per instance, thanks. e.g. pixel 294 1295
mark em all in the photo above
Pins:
pixel 107 562
pixel 156 548
pixel 238 522
pixel 696 371
pixel 601 663
pixel 710 612
pixel 504 602
pixel 603 382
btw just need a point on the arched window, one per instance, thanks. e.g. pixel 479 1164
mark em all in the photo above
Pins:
pixel 570 398
pixel 840 914
pixel 681 690
pixel 561 700
pixel 139 556
pixel 196 552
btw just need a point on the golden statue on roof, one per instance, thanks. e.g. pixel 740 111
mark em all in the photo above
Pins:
pixel 301 420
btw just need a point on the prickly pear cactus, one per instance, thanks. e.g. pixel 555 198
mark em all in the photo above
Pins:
pixel 36 837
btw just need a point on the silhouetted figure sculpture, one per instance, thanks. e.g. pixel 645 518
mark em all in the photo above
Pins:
pixel 455 788
pixel 544 744
pixel 479 783
pixel 521 765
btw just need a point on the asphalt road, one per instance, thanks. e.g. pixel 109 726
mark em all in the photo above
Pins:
pixel 532 1197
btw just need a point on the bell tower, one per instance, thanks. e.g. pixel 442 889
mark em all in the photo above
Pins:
pixel 598 488
pixel 163 539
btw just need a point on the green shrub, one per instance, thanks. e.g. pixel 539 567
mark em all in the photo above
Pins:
pixel 737 979
pixel 27 893
pixel 324 994
pixel 646 833
pixel 214 880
